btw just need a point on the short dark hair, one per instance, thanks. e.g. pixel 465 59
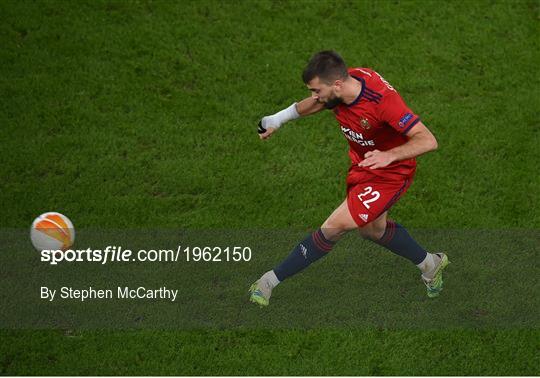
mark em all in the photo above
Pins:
pixel 327 66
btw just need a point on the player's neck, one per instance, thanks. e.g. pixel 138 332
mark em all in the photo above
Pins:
pixel 351 90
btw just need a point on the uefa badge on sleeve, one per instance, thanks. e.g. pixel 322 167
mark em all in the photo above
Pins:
pixel 403 121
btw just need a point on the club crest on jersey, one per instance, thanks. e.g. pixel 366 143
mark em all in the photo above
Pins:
pixel 406 118
pixel 365 124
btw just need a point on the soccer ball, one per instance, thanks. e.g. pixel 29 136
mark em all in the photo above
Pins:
pixel 52 231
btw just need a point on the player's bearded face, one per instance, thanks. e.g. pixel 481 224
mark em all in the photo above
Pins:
pixel 332 101
pixel 324 93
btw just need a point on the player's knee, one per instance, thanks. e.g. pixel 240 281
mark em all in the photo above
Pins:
pixel 365 232
pixel 337 224
pixel 372 231
pixel 334 229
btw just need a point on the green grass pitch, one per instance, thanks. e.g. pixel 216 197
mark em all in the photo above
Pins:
pixel 142 114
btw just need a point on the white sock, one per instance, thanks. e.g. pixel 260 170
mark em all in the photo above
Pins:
pixel 271 277
pixel 429 263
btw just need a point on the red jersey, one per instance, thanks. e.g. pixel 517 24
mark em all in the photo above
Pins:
pixel 378 119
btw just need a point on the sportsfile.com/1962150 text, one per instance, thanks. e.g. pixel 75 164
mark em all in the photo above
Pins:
pixel 117 254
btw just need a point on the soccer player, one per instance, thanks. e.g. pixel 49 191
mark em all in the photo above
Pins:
pixel 384 137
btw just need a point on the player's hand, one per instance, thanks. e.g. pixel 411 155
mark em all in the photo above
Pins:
pixel 268 133
pixel 265 128
pixel 376 159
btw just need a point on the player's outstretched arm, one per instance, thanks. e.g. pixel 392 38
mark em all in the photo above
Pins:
pixel 421 140
pixel 309 106
pixel 269 124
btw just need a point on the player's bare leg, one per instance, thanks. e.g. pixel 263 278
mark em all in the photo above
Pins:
pixel 312 248
pixel 338 223
pixel 374 230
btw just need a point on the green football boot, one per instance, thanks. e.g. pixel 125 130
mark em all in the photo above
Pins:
pixel 435 285
pixel 260 292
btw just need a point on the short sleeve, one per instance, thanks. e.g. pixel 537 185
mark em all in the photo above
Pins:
pixel 396 113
